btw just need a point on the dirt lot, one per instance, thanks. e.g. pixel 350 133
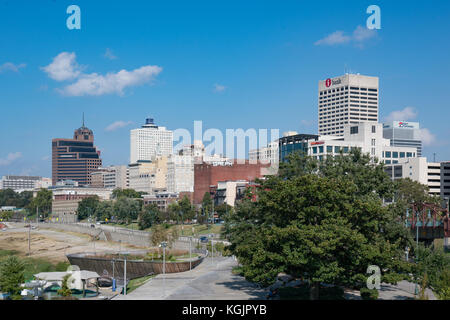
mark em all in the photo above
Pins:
pixel 54 245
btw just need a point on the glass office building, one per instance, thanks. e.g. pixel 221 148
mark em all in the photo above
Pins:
pixel 403 134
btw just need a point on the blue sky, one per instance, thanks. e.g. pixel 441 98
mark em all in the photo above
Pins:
pixel 231 64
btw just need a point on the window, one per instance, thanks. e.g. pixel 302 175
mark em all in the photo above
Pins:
pixel 388 154
pixel 345 150
pixel 337 149
pixel 402 154
pixel 329 149
pixel 373 129
pixel 408 154
pixel 394 154
pixel 353 130
pixel 314 149
pixel 387 161
pixel 373 142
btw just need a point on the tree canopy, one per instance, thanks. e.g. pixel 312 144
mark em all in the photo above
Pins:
pixel 323 221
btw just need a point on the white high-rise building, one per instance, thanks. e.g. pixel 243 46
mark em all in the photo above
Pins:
pixel 347 99
pixel 150 141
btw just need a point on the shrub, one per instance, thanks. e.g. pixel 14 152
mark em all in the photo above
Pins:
pixel 369 294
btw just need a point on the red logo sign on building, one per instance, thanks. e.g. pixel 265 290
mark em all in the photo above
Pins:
pixel 328 82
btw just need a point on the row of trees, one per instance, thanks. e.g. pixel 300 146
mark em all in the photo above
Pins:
pixel 128 206
pixel 325 222
pixel 42 203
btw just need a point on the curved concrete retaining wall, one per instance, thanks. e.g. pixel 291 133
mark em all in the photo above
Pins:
pixel 135 269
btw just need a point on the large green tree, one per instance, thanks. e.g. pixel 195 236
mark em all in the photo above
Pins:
pixel 149 216
pixel 323 221
pixel 87 207
pixel 127 210
pixel 12 276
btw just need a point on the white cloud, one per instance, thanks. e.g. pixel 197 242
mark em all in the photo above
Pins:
pixel 63 67
pixel 109 54
pixel 306 123
pixel 117 125
pixel 427 137
pixel 219 88
pixel 362 34
pixel 9 66
pixel 406 114
pixel 95 84
pixel 337 37
pixel 10 158
pixel 359 35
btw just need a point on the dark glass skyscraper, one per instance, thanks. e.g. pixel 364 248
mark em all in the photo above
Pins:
pixel 74 159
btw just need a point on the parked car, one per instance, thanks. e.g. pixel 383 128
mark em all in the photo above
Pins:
pixel 204 239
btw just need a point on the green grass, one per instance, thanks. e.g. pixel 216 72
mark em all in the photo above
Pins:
pixel 136 283
pixel 199 229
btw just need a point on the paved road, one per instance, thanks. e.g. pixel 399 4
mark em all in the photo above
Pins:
pixel 209 281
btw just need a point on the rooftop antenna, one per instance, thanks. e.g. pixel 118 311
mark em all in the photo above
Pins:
pixel 83 119
pixel 434 156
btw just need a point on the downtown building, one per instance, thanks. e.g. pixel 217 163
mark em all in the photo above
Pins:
pixel 346 100
pixel 75 159
pixel 150 141
pixel 404 134
pixel 24 183
pixel 365 136
pixel 111 177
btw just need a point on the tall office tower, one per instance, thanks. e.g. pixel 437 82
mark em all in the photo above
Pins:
pixel 150 141
pixel 347 99
pixel 74 159
pixel 403 134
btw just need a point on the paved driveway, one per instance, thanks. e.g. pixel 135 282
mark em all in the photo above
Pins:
pixel 211 280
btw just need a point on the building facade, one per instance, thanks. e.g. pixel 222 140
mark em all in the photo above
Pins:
pixel 74 159
pixel 207 175
pixel 150 141
pixel 418 169
pixel 347 99
pixel 24 183
pixel 403 134
pixel 445 181
pixel 148 176
pixel 111 177
pixel 365 136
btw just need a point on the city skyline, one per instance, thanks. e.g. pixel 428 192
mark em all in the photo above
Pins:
pixel 234 66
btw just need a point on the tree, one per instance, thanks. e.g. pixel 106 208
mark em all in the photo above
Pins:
pixel 320 221
pixel 127 209
pixel 65 291
pixel 207 206
pixel 148 216
pixel 173 212
pixel 186 209
pixel 12 276
pixel 104 210
pixel 432 270
pixel 127 193
pixel 87 207
pixel 9 197
pixel 42 201
pixel 223 210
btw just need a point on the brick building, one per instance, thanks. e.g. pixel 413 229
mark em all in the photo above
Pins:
pixel 207 175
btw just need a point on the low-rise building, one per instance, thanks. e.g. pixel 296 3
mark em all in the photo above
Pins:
pixel 24 183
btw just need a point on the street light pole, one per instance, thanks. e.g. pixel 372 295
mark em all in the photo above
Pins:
pixel 416 289
pixel 125 276
pixel 190 253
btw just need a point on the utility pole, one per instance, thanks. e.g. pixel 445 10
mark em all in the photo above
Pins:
pixel 29 239
pixel 125 276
